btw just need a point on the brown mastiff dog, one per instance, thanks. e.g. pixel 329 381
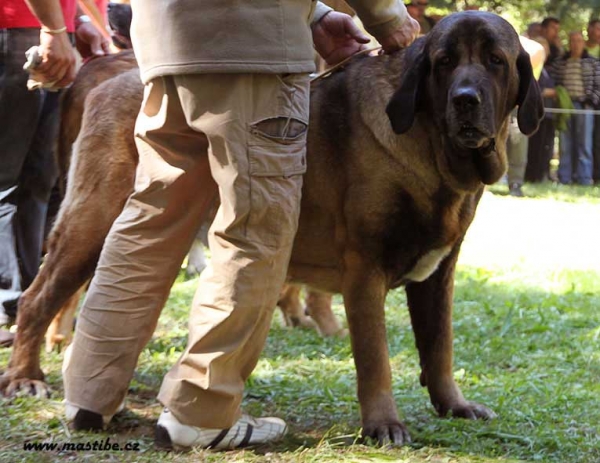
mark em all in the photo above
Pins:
pixel 399 150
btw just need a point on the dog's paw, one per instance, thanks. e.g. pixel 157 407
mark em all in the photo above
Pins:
pixel 468 410
pixel 386 434
pixel 12 387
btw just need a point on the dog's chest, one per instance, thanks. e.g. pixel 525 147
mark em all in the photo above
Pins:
pixel 427 264
pixel 417 239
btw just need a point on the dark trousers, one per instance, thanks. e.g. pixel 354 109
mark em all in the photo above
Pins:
pixel 596 149
pixel 28 129
pixel 541 149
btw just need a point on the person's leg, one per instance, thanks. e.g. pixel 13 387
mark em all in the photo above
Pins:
pixel 37 180
pixel 516 151
pixel 584 144
pixel 547 147
pixel 256 125
pixel 535 154
pixel 596 149
pixel 141 256
pixel 565 166
pixel 20 110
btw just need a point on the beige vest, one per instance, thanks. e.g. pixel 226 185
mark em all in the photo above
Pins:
pixel 217 36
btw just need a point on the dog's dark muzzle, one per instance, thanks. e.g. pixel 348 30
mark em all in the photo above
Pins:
pixel 466 117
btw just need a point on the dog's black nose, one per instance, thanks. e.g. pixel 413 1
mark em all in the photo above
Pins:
pixel 466 98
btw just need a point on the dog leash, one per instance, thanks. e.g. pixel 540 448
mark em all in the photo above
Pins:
pixel 327 72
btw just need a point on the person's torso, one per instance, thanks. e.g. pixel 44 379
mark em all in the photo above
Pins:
pixel 202 36
pixel 573 79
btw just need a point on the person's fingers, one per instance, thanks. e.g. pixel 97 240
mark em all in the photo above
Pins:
pixel 57 57
pixel 402 38
pixel 106 46
pixel 67 79
pixel 50 71
pixel 96 45
pixel 354 31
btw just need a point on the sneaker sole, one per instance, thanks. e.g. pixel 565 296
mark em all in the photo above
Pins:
pixel 86 420
pixel 162 439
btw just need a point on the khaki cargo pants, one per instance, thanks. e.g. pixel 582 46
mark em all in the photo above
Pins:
pixel 247 134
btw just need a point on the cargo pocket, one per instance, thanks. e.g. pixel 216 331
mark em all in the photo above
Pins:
pixel 277 160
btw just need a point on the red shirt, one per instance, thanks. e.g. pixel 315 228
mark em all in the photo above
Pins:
pixel 15 13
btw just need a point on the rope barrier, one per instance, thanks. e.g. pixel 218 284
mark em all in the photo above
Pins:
pixel 572 111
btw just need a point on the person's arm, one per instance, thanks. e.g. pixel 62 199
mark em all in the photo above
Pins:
pixel 58 56
pixel 48 12
pixel 320 11
pixel 89 40
pixel 335 36
pixel 388 21
pixel 596 84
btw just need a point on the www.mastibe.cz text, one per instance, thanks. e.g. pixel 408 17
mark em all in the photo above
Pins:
pixel 95 446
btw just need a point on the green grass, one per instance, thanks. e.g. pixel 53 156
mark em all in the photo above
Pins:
pixel 555 191
pixel 527 344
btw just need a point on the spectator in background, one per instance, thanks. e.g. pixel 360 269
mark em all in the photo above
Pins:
pixel 416 9
pixel 534 30
pixel 593 44
pixel 517 143
pixel 579 74
pixel 28 127
pixel 541 143
pixel 413 11
pixel 593 49
pixel 550 31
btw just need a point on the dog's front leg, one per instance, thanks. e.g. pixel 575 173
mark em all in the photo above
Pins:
pixel 364 289
pixel 430 305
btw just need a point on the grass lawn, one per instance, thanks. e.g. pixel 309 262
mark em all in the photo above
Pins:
pixel 527 344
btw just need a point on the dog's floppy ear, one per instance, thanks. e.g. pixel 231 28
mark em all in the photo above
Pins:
pixel 405 102
pixel 529 99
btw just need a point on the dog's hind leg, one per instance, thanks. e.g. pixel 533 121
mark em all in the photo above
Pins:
pixel 60 331
pixel 65 270
pixel 318 307
pixel 75 245
pixel 291 308
pixel 100 180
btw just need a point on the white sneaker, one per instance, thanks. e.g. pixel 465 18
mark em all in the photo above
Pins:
pixel 170 433
pixel 86 420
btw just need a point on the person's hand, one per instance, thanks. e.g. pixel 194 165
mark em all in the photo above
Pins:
pixel 401 37
pixel 90 42
pixel 336 37
pixel 58 59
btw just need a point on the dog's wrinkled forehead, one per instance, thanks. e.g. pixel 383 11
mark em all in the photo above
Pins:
pixel 474 31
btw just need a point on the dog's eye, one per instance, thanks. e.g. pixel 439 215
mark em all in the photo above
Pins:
pixel 495 59
pixel 444 61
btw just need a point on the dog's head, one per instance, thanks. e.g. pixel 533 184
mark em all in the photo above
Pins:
pixel 467 75
pixel 119 20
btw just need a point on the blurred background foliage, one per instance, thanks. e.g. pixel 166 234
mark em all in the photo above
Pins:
pixel 573 14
